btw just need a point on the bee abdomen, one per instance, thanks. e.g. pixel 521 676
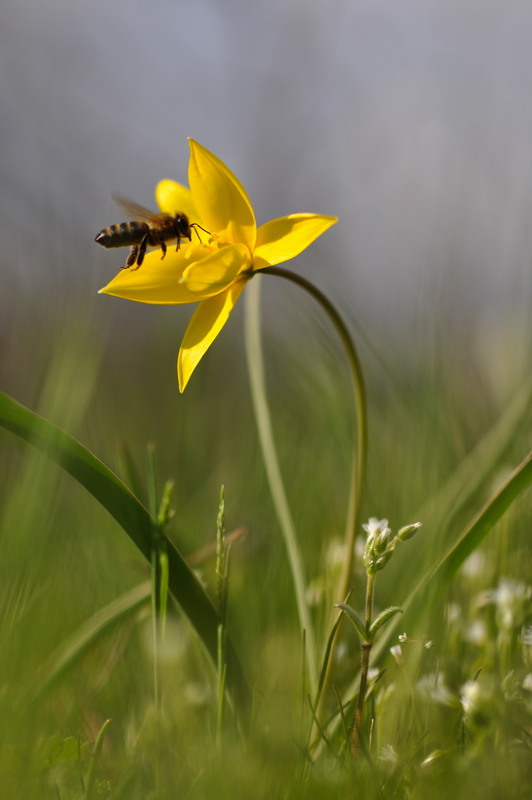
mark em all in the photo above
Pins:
pixel 126 233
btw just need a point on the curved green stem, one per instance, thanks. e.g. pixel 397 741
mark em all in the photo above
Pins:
pixel 359 449
pixel 359 394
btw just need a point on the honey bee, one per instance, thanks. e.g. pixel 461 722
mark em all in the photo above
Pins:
pixel 146 229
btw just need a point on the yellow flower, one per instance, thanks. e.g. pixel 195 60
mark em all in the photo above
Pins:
pixel 212 270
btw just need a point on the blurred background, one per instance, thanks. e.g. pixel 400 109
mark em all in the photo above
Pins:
pixel 409 120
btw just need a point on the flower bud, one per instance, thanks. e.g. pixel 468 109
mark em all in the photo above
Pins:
pixel 382 560
pixel 382 540
pixel 408 531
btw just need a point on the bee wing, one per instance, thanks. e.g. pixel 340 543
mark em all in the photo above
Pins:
pixel 134 210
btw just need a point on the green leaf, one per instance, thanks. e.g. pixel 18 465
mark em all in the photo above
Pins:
pixel 132 516
pixel 439 576
pixel 91 772
pixel 90 632
pixel 325 661
pixel 382 618
pixel 478 467
pixel 485 520
pixel 129 472
pixel 55 750
pixel 355 619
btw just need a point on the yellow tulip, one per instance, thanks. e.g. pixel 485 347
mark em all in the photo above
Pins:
pixel 213 269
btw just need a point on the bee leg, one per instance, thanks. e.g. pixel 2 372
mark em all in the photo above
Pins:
pixel 142 250
pixel 132 257
pixel 163 248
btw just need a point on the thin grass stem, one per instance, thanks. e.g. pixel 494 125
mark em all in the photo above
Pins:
pixel 271 462
pixel 221 602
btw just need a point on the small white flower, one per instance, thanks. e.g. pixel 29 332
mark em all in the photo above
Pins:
pixel 469 696
pixel 341 652
pixel 403 637
pixel 397 653
pixel 433 687
pixel 429 644
pixel 388 754
pixel 375 526
pixel 314 592
pixel 360 547
pixel 477 632
pixel 335 554
pixel 453 612
pixel 198 694
pixel 479 702
pixel 511 599
pixel 474 566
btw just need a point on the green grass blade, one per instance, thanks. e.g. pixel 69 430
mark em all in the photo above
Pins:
pixel 96 750
pixel 129 472
pixel 90 632
pixel 484 521
pixel 477 467
pixel 131 515
pixel 270 458
pixel 440 575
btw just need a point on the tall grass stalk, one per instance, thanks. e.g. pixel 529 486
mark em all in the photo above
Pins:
pixel 222 566
pixel 255 363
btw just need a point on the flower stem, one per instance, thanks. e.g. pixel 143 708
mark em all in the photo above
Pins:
pixel 364 667
pixel 359 450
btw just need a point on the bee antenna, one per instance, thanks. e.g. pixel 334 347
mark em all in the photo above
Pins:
pixel 195 225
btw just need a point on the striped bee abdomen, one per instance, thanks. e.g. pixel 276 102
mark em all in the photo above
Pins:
pixel 126 233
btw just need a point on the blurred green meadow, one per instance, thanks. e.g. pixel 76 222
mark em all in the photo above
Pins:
pixel 448 422
pixel 411 122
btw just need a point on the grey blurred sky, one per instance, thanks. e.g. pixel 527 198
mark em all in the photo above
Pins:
pixel 410 120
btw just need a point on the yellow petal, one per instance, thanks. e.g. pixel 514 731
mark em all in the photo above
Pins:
pixel 214 273
pixel 157 280
pixel 172 197
pixel 285 238
pixel 220 198
pixel 205 325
